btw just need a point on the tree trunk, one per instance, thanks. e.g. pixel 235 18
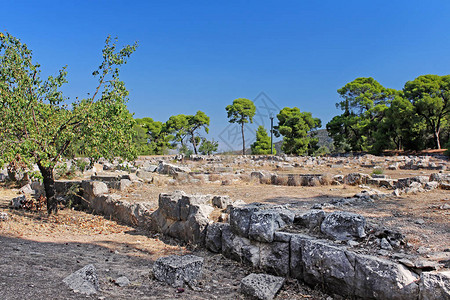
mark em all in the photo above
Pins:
pixel 49 187
pixel 243 139
pixel 436 136
pixel 194 144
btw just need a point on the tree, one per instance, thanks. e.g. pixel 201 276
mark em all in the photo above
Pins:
pixel 262 144
pixel 241 111
pixel 364 101
pixel 295 126
pixel 38 124
pixel 178 125
pixel 430 95
pixel 195 123
pixel 208 147
pixel 158 137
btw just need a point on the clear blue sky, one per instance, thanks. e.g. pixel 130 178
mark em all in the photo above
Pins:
pixel 201 55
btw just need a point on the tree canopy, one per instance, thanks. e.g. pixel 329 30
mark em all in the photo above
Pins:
pixel 295 126
pixel 241 111
pixel 40 125
pixel 262 144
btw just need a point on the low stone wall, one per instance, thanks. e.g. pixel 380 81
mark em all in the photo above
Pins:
pixel 255 236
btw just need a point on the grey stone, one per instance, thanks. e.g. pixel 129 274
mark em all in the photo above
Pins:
pixel 18 201
pixel 169 169
pixel 178 270
pixel 406 262
pixel 356 178
pixel 239 248
pixel 124 184
pixel 26 189
pixel 194 204
pixel 221 201
pixel 311 219
pixel 213 239
pixel 147 176
pixel 440 177
pixel 384 244
pixel 343 226
pixel 434 286
pixel 274 257
pixel 4 216
pixel 261 286
pixel 122 281
pixel 240 217
pixel 377 278
pixel 84 281
pixel 169 204
pixel 431 185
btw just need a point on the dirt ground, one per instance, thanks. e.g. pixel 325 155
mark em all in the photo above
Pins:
pixel 38 251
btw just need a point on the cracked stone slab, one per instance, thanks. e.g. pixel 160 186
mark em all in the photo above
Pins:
pixel 178 270
pixel 261 286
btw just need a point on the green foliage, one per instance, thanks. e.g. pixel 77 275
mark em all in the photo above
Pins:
pixel 378 171
pixel 430 95
pixel 195 123
pixel 38 124
pixel 241 111
pixel 295 126
pixel 184 149
pixel 262 144
pixel 208 147
pixel 153 137
pixel 322 150
pixel 178 125
pixel 364 104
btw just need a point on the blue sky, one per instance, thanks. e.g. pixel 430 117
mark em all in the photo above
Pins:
pixel 201 55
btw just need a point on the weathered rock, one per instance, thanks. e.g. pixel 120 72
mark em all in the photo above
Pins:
pixel 240 217
pixel 213 239
pixel 18 201
pixel 431 185
pixel 311 219
pixel 124 184
pixel 221 201
pixel 273 258
pixel 122 281
pixel 169 169
pixel 92 189
pixel 434 286
pixel 440 177
pixel 169 204
pixel 377 278
pixel 84 281
pixel 145 175
pixel 26 189
pixel 239 248
pixel 178 270
pixel 406 182
pixel 261 286
pixel 264 223
pixel 356 178
pixel 4 216
pixel 343 226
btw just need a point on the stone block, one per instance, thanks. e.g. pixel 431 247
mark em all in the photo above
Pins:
pixel 213 239
pixel 434 286
pixel 261 286
pixel 84 281
pixel 274 257
pixel 343 226
pixel 178 270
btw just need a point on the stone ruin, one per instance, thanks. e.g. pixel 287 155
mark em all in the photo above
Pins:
pixel 312 246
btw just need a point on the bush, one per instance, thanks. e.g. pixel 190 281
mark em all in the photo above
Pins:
pixel 377 171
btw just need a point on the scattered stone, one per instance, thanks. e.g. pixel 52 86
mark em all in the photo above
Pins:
pixel 420 221
pixel 122 281
pixel 18 201
pixel 4 216
pixel 427 265
pixel 343 226
pixel 261 286
pixel 423 250
pixel 406 262
pixel 26 189
pixel 221 201
pixel 178 270
pixel 384 244
pixel 85 280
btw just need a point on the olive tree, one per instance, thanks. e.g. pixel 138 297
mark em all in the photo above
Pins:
pixel 41 126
